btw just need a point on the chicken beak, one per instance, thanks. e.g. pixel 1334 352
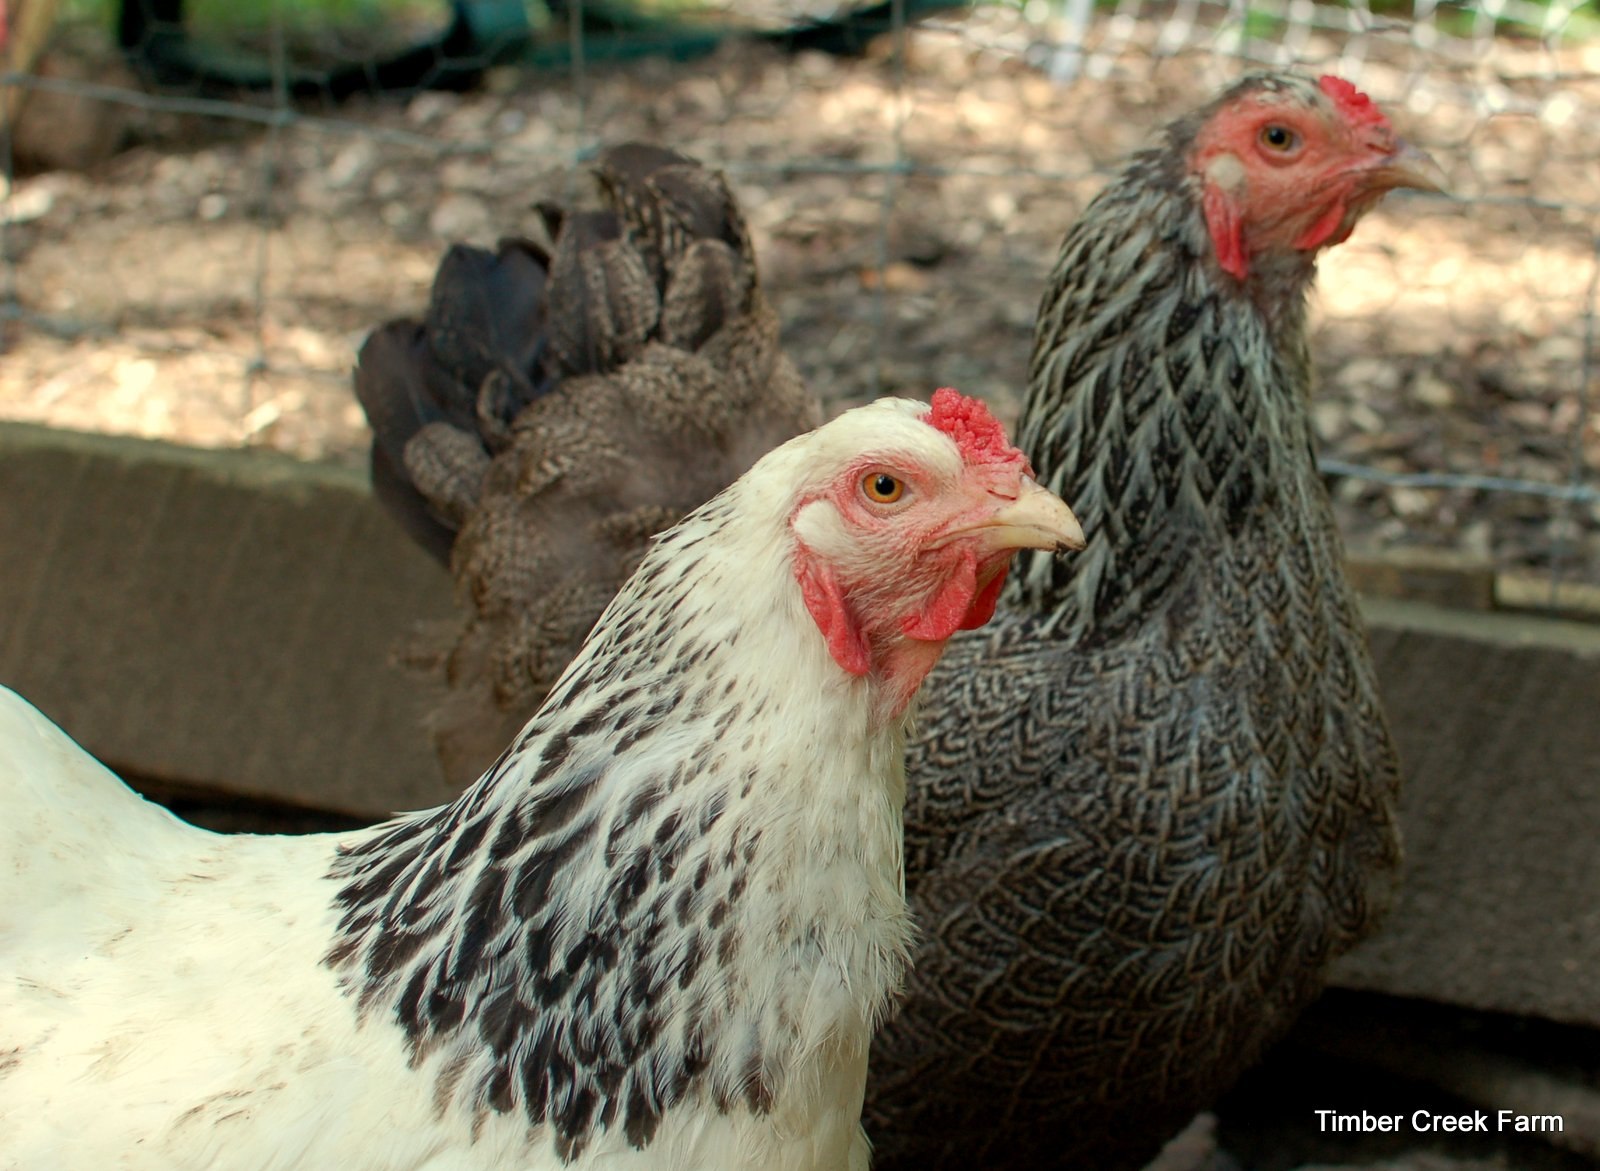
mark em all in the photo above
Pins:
pixel 1036 519
pixel 1406 166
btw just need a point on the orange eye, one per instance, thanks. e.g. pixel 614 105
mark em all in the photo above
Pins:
pixel 1279 138
pixel 882 488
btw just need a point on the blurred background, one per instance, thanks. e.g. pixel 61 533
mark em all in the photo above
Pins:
pixel 206 203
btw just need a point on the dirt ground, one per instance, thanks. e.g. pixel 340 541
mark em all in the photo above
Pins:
pixel 210 284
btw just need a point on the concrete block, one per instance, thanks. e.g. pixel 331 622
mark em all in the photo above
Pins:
pixel 1497 717
pixel 215 619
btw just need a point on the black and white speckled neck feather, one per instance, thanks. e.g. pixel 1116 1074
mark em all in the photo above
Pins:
pixel 591 999
pixel 1174 419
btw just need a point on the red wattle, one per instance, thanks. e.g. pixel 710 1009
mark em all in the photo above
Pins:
pixel 1227 233
pixel 947 612
pixel 982 608
pixel 825 602
pixel 1322 231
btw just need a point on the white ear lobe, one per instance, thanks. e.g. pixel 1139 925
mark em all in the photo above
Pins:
pixel 1225 171
pixel 820 527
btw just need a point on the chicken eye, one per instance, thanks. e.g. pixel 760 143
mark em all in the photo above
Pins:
pixel 882 488
pixel 1279 138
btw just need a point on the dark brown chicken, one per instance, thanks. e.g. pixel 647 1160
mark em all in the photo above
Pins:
pixel 555 410
pixel 1156 797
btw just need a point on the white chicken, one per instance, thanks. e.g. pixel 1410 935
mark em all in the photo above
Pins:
pixel 657 933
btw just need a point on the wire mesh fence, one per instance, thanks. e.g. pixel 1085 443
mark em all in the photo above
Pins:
pixel 206 262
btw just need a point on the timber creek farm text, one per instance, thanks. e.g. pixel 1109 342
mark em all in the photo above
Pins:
pixel 1427 1122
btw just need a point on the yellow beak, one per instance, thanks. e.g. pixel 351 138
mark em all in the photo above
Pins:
pixel 1036 519
pixel 1406 166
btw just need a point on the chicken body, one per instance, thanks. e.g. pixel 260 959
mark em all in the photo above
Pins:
pixel 553 412
pixel 170 1005
pixel 1156 797
pixel 656 934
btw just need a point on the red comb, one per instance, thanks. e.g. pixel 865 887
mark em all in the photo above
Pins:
pixel 1352 103
pixel 978 434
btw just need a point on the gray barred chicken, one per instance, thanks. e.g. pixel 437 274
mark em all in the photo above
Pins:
pixel 555 409
pixel 1156 797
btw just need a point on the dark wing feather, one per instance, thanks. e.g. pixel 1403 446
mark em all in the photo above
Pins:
pixel 560 410
pixel 462 373
pixel 392 384
pixel 486 315
pixel 410 508
pixel 609 302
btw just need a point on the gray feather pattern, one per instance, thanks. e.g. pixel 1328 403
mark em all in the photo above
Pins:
pixel 1156 796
